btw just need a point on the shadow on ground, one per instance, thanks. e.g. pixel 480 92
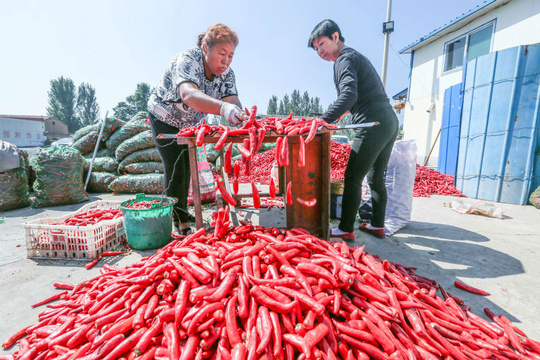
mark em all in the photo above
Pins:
pixel 445 254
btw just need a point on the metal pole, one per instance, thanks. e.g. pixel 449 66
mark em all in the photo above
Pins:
pixel 95 151
pixel 386 44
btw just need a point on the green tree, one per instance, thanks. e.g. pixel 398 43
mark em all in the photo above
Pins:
pixel 286 105
pixel 125 110
pixel 315 105
pixel 295 103
pixel 300 105
pixel 87 106
pixel 62 100
pixel 272 105
pixel 305 108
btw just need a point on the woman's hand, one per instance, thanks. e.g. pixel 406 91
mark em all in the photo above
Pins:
pixel 232 113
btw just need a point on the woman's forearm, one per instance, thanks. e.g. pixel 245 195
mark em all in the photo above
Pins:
pixel 196 99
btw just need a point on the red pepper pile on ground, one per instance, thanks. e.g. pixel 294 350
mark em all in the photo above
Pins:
pixel 431 182
pixel 92 217
pixel 252 292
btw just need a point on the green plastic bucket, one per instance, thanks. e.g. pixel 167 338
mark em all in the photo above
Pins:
pixel 148 228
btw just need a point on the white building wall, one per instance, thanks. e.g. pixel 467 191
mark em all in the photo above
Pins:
pixel 517 23
pixel 22 133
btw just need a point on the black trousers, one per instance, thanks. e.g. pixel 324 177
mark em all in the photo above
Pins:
pixel 176 167
pixel 370 153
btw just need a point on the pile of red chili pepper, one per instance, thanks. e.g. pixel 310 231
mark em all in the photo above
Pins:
pixel 146 204
pixel 92 217
pixel 252 292
pixel 431 182
pixel 254 132
pixel 339 157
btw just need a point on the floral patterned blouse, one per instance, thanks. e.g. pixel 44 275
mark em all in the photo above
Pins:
pixel 165 103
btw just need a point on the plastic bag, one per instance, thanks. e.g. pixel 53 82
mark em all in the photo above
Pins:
pixel 534 199
pixel 130 129
pixel 59 179
pixel 14 187
pixel 101 164
pixel 477 208
pixel 87 143
pixel 133 184
pixel 400 175
pixel 147 167
pixel 150 154
pixel 100 153
pixel 207 184
pixel 9 156
pixel 140 141
pixel 99 181
pixel 79 134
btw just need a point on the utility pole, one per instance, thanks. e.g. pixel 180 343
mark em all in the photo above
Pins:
pixel 388 28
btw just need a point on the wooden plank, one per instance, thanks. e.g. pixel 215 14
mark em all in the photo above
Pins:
pixel 326 164
pixel 192 149
pixel 307 183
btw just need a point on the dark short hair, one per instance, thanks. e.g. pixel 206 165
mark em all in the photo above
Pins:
pixel 324 28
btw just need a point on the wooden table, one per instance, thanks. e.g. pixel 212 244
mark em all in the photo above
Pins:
pixel 309 181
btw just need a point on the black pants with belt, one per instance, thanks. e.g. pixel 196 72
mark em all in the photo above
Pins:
pixel 176 167
pixel 370 153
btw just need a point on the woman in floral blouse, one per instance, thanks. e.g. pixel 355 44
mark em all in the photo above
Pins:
pixel 196 82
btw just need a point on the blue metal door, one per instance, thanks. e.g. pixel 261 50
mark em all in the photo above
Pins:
pixel 450 127
pixel 499 148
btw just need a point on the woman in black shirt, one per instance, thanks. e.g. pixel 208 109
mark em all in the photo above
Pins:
pixel 361 92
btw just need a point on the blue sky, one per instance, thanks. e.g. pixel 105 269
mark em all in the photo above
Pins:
pixel 113 45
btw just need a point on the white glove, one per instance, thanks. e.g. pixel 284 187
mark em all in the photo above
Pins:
pixel 231 112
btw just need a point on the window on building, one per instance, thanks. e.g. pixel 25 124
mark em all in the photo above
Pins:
pixel 479 43
pixel 475 44
pixel 454 54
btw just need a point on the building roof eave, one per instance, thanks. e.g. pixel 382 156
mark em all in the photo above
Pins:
pixel 454 24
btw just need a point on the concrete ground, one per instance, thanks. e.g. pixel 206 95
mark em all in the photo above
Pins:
pixel 499 256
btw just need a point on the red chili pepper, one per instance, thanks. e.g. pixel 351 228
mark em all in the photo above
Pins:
pixel 278 150
pixel 230 322
pixel 471 289
pixel 308 203
pixel 112 253
pixel 302 152
pixel 272 188
pixel 289 193
pixel 285 151
pixel 222 139
pixel 245 152
pixel 279 127
pixel 221 186
pixel 199 141
pixel 313 337
pixel 235 187
pixel 256 196
pixel 227 159
pixel 312 131
pixel 63 285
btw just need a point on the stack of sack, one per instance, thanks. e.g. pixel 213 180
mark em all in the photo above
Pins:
pixel 105 166
pixel 138 159
pixel 127 160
